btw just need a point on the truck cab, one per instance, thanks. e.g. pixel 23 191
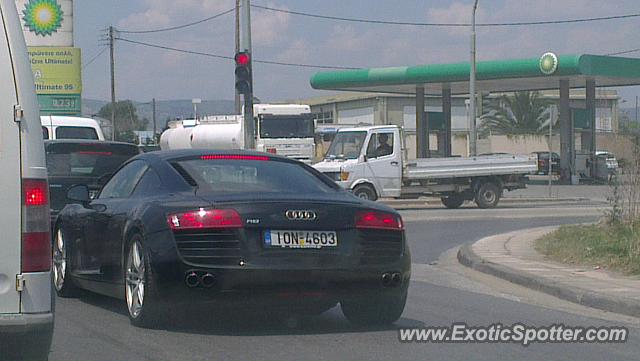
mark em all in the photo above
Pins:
pixel 372 162
pixel 285 129
pixel 367 158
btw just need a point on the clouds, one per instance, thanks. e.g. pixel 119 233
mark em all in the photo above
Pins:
pixel 144 72
pixel 162 13
pixel 269 27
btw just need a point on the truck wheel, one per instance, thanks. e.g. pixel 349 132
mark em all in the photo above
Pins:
pixel 364 191
pixel 453 201
pixel 488 195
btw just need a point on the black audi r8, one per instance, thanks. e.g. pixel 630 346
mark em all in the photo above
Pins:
pixel 231 228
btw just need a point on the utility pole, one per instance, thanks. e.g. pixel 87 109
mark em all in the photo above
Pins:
pixel 238 106
pixel 472 86
pixel 155 127
pixel 245 45
pixel 636 110
pixel 113 83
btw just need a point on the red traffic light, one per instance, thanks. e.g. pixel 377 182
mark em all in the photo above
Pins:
pixel 243 59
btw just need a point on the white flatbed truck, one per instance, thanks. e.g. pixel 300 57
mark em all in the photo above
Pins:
pixel 372 162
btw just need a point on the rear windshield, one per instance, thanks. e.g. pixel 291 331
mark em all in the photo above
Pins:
pixel 87 160
pixel 76 133
pixel 242 176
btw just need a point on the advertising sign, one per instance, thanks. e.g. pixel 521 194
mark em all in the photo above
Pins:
pixel 57 73
pixel 47 22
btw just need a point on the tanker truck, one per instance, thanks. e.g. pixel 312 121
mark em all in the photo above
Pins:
pixel 284 129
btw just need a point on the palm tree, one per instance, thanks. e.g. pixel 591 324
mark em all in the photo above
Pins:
pixel 520 114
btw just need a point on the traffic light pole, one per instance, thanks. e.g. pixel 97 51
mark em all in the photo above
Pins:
pixel 245 45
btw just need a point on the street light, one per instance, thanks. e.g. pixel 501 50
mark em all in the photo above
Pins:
pixel 472 85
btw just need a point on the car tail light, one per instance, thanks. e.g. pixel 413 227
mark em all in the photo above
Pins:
pixel 205 219
pixel 378 220
pixel 36 238
pixel 272 150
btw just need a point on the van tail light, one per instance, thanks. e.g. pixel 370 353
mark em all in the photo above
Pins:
pixel 36 227
pixel 272 150
pixel 378 220
pixel 205 219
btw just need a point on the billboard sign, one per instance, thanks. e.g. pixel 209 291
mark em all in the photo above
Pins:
pixel 47 22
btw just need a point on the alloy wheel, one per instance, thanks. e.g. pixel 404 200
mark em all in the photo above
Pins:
pixel 135 280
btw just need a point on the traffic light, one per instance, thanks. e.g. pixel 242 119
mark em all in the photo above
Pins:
pixel 243 73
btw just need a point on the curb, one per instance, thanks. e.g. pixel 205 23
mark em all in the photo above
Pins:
pixel 589 298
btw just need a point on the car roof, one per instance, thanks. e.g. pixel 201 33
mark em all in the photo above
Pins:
pixel 167 155
pixel 57 120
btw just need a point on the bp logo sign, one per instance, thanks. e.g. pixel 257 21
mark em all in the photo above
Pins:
pixel 43 17
pixel 548 63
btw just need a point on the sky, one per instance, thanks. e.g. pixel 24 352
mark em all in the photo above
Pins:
pixel 145 73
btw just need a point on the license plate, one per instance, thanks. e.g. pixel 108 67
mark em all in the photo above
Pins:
pixel 300 239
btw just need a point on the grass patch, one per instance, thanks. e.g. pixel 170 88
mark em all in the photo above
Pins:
pixel 615 247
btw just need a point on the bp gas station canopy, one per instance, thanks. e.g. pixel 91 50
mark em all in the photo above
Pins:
pixel 492 76
pixel 546 72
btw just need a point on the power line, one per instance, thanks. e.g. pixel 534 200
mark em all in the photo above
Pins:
pixel 95 57
pixel 211 55
pixel 178 27
pixel 624 52
pixel 409 23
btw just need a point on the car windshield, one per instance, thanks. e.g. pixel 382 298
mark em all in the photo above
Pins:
pixel 280 126
pixel 87 160
pixel 247 176
pixel 346 145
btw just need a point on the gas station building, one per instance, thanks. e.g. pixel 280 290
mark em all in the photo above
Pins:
pixel 575 81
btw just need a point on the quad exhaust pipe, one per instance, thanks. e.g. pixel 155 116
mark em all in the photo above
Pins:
pixel 207 280
pixel 192 280
pixel 195 279
pixel 391 279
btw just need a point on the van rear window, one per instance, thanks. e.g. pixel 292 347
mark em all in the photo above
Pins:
pixel 76 133
pixel 87 160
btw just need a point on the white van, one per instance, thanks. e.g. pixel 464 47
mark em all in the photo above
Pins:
pixel 62 127
pixel 26 299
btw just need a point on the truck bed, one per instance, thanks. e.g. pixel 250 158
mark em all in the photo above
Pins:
pixel 438 168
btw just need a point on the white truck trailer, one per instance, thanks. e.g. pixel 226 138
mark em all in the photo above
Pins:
pixel 284 129
pixel 372 162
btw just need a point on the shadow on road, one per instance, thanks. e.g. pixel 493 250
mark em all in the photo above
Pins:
pixel 243 322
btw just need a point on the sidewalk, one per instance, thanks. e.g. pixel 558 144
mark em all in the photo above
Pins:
pixel 511 256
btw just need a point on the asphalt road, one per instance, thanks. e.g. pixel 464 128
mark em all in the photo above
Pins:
pixel 96 328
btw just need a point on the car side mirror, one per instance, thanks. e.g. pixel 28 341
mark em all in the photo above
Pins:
pixel 79 193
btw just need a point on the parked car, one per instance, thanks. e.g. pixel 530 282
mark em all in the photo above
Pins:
pixel 243 228
pixel 26 298
pixel 62 127
pixel 543 162
pixel 611 161
pixel 71 162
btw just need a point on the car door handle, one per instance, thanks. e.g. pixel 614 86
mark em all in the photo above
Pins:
pixel 394 163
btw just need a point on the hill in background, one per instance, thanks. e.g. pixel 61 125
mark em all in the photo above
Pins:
pixel 166 109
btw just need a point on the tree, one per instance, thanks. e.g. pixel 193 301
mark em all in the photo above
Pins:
pixel 127 120
pixel 520 114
